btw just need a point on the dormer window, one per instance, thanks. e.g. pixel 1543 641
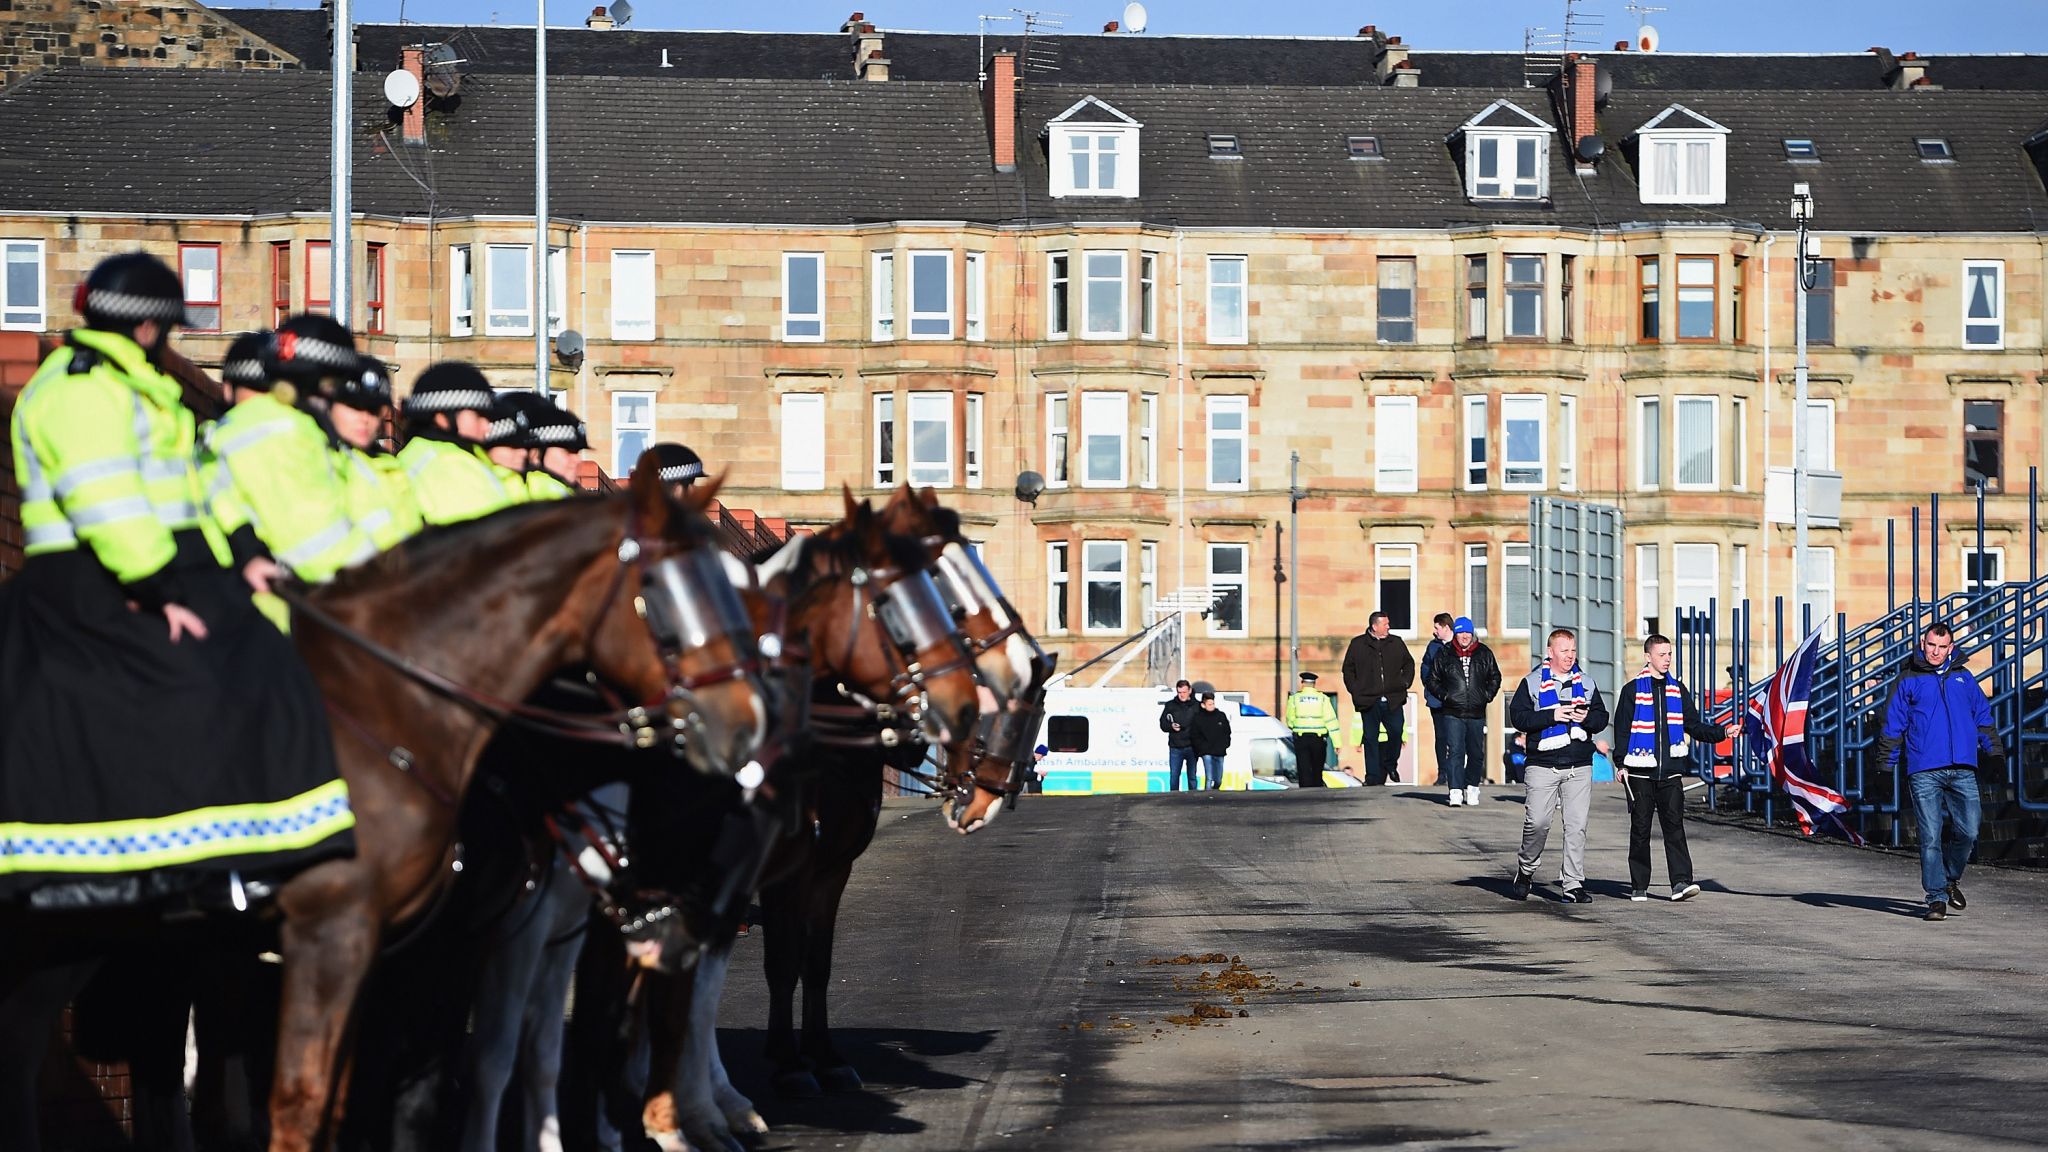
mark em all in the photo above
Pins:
pixel 1507 154
pixel 1682 158
pixel 1093 151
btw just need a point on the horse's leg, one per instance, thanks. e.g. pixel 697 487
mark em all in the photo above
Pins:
pixel 29 1010
pixel 740 1117
pixel 330 936
pixel 156 1063
pixel 702 1120
pixel 235 1021
pixel 783 932
pixel 499 1005
pixel 542 1037
pixel 834 1073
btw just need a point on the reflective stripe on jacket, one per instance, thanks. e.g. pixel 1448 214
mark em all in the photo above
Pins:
pixel 453 483
pixel 275 474
pixel 1310 711
pixel 104 455
pixel 380 499
pixel 545 485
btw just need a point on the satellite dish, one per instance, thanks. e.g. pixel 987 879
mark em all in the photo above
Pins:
pixel 1646 38
pixel 1030 486
pixel 622 12
pixel 1603 88
pixel 445 68
pixel 1134 16
pixel 402 89
pixel 1590 148
pixel 569 344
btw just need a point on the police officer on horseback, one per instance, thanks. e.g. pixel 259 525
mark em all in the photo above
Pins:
pixel 548 440
pixel 447 420
pixel 380 497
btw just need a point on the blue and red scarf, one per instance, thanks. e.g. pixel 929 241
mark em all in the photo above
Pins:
pixel 1642 727
pixel 1559 735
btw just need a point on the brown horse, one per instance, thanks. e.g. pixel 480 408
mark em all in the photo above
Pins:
pixel 417 653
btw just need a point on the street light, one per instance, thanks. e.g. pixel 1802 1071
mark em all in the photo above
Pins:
pixel 1802 216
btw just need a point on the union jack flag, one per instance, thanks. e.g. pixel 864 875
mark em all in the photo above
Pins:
pixel 1776 726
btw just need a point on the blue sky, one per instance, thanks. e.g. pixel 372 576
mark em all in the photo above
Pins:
pixel 1922 26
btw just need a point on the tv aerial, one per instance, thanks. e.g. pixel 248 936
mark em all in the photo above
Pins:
pixel 445 68
pixel 1646 33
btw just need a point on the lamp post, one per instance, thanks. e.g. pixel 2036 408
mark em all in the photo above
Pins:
pixel 540 200
pixel 1294 495
pixel 1279 578
pixel 1802 216
pixel 339 159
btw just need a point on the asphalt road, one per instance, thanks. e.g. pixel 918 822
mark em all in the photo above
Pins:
pixel 1000 991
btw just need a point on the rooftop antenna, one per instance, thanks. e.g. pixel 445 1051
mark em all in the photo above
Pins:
pixel 981 72
pixel 1646 33
pixel 1543 51
pixel 1040 53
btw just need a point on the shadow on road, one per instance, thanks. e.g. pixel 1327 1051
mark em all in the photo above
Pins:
pixel 1889 905
pixel 889 1060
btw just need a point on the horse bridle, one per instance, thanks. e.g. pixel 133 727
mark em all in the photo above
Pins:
pixel 907 604
pixel 970 587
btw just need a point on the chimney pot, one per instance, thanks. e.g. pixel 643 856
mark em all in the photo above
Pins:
pixel 856 18
pixel 1109 27
pixel 1621 45
pixel 1369 30
pixel 599 20
pixel 1393 39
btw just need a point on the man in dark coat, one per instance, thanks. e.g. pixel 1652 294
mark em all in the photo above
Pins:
pixel 1177 720
pixel 1378 670
pixel 1212 739
pixel 1655 720
pixel 1465 678
pixel 1439 643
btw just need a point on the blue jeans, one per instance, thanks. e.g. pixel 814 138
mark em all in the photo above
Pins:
pixel 1176 759
pixel 1464 752
pixel 1946 805
pixel 1215 766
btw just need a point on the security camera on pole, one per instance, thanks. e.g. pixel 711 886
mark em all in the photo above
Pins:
pixel 1802 215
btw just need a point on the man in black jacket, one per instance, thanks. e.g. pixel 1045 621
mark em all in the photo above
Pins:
pixel 1378 670
pixel 1177 720
pixel 1558 710
pixel 1464 678
pixel 1212 739
pixel 1654 722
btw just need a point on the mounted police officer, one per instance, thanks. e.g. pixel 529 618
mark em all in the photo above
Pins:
pixel 502 447
pixel 679 466
pixel 549 439
pixel 274 487
pixel 380 498
pixel 125 609
pixel 447 420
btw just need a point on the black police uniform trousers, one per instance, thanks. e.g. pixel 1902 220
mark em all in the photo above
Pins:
pixel 1311 752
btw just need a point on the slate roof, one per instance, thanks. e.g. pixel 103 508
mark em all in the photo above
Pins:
pixel 1231 61
pixel 811 152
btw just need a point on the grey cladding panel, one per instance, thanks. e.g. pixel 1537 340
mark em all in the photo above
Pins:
pixel 1575 581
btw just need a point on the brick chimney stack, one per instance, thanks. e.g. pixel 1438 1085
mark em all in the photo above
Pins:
pixel 1391 65
pixel 869 61
pixel 999 100
pixel 600 20
pixel 1904 72
pixel 1581 92
pixel 413 126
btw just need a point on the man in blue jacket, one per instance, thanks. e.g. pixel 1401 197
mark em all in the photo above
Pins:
pixel 1940 718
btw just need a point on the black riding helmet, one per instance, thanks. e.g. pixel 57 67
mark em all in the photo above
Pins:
pixel 450 386
pixel 678 464
pixel 369 390
pixel 505 412
pixel 243 365
pixel 123 291
pixel 309 349
pixel 540 424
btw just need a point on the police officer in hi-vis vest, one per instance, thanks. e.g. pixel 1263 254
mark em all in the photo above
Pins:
pixel 447 419
pixel 1313 721
pixel 380 498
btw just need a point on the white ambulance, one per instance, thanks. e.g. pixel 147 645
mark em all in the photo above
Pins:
pixel 1126 751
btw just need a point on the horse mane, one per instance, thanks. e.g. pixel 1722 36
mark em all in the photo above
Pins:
pixel 434 548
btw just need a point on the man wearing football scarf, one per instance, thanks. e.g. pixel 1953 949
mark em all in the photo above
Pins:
pixel 1655 723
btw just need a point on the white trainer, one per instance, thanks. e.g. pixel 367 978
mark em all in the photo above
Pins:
pixel 1457 797
pixel 1472 795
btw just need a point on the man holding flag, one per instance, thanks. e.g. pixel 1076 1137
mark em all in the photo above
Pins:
pixel 1939 716
pixel 1655 722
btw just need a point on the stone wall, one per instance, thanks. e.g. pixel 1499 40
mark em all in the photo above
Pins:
pixel 36 35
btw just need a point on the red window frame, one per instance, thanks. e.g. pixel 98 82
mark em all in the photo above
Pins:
pixel 280 281
pixel 190 300
pixel 321 304
pixel 373 288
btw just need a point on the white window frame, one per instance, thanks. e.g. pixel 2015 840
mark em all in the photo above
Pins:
pixel 1091 283
pixel 972 450
pixel 803 441
pixel 1105 416
pixel 558 290
pixel 1240 580
pixel 631 320
pixel 1222 334
pixel 882 296
pixel 1820 424
pixel 1649 439
pixel 1647 604
pixel 1738 575
pixel 1148 295
pixel 1241 407
pixel 928 408
pixel 1396 466
pixel 1148 583
pixel 1383 267
pixel 1093 140
pixel 1695 577
pixel 976 274
pixel 1820 577
pixel 1059 440
pixel 1058 580
pixel 1148 440
pixel 1679 406
pixel 1541 465
pixel 1567 443
pixel 1089 580
pixel 790 318
pixel 1965 550
pixel 41 308
pixel 1513 554
pixel 1997 319
pixel 1508 172
pixel 938 325
pixel 461 290
pixel 1476 565
pixel 881 414
pixel 621 466
pixel 514 325
pixel 1650 149
pixel 1388 558
pixel 1511 289
pixel 1473 450
pixel 1738 426
pixel 1059 295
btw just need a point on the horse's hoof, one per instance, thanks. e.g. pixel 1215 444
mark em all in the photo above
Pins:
pixel 746 1122
pixel 797 1085
pixel 840 1078
pixel 669 1141
pixel 705 1139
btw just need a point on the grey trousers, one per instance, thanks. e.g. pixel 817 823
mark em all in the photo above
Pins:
pixel 1548 790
